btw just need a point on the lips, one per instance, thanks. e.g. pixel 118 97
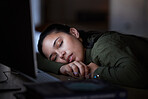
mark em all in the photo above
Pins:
pixel 70 58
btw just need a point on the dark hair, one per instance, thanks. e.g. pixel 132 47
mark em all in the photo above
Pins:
pixel 66 29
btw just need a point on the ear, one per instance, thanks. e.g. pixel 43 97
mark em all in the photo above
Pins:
pixel 74 32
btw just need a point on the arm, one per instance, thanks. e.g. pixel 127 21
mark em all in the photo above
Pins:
pixel 48 66
pixel 118 64
pixel 92 67
pixel 75 69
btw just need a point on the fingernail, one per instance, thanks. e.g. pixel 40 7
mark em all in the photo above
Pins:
pixel 76 73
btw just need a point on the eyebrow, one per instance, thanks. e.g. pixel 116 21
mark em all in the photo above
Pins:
pixel 55 41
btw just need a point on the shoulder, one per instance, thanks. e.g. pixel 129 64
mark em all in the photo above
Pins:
pixel 109 38
pixel 108 42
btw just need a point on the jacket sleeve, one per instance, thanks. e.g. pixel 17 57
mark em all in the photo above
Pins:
pixel 118 64
pixel 48 66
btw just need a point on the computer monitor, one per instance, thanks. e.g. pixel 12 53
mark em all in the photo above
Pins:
pixel 17 37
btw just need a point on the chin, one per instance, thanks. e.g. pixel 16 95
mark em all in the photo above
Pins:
pixel 79 60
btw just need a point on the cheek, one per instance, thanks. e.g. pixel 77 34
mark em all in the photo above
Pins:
pixel 61 61
pixel 68 45
pixel 73 43
pixel 45 51
pixel 80 54
pixel 79 51
pixel 74 46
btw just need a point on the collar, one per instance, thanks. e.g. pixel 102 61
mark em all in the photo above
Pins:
pixel 87 56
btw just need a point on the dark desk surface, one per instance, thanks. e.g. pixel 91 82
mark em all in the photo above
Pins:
pixel 16 81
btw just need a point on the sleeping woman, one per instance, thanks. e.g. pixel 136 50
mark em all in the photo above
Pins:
pixel 117 58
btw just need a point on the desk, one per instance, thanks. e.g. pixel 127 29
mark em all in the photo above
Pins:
pixel 17 81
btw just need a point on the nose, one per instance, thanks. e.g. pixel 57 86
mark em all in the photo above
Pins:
pixel 61 54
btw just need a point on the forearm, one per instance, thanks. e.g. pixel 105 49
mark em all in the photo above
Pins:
pixel 123 76
pixel 47 65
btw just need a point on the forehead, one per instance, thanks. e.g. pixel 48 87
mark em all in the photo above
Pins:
pixel 54 35
pixel 49 40
pixel 47 43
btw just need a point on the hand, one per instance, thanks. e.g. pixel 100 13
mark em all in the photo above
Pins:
pixel 92 67
pixel 76 68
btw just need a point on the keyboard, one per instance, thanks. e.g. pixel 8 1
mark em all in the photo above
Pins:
pixel 43 77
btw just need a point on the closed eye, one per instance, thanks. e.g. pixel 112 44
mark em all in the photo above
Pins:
pixel 61 44
pixel 57 44
pixel 53 57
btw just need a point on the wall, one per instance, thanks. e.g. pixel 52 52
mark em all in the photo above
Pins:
pixel 68 9
pixel 85 13
pixel 129 16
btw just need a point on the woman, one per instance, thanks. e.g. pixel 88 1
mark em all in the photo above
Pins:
pixel 112 56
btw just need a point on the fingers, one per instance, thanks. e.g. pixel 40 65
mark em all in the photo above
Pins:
pixel 74 69
pixel 65 69
pixel 81 68
pixel 87 70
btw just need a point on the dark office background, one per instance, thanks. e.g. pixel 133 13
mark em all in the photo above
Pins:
pixel 126 16
pixel 83 14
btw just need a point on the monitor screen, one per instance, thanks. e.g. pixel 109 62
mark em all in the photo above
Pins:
pixel 16 37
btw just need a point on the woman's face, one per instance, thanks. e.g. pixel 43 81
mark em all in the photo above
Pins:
pixel 63 48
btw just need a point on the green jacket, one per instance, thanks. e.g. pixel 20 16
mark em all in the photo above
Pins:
pixel 122 59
